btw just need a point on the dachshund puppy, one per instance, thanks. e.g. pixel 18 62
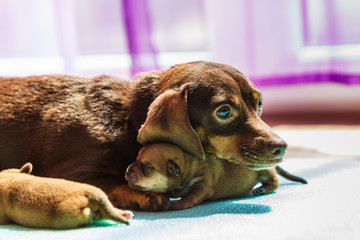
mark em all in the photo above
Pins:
pixel 165 168
pixel 52 203
pixel 85 130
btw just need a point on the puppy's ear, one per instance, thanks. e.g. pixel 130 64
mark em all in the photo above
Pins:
pixel 168 121
pixel 27 168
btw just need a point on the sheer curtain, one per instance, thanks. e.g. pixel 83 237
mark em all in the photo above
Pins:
pixel 282 42
pixel 274 42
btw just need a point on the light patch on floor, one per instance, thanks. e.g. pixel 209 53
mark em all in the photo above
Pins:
pixel 320 140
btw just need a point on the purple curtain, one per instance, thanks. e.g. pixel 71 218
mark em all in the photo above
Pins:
pixel 285 42
pixel 276 42
pixel 138 28
pixel 273 42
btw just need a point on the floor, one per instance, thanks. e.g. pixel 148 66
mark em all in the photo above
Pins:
pixel 318 134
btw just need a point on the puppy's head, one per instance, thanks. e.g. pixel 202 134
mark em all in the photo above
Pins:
pixel 159 167
pixel 213 108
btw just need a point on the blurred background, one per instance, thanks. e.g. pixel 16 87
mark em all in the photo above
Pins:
pixel 304 55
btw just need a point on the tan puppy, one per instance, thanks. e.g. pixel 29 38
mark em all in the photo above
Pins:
pixel 52 203
pixel 165 168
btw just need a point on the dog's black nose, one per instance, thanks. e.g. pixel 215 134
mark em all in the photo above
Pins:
pixel 277 148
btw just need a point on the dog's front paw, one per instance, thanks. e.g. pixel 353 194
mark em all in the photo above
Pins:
pixel 259 191
pixel 264 189
pixel 125 197
pixel 151 201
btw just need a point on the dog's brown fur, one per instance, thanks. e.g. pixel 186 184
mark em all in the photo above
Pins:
pixel 187 99
pixel 52 203
pixel 85 129
pixel 165 168
pixel 72 128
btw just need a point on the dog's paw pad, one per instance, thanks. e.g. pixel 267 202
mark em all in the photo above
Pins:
pixel 259 191
pixel 128 215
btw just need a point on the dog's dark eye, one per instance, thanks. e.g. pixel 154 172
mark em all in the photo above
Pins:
pixel 224 112
pixel 260 105
pixel 173 168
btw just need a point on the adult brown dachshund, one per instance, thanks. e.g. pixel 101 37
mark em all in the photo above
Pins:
pixel 86 129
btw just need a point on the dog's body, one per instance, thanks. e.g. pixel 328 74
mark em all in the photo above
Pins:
pixel 72 128
pixel 52 203
pixel 165 168
pixel 86 129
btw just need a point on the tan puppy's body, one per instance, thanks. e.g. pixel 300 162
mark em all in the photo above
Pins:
pixel 167 169
pixel 52 203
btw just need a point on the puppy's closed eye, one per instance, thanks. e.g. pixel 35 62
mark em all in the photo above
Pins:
pixel 173 168
pixel 147 169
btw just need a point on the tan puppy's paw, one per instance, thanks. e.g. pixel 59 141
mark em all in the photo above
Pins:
pixel 269 182
pixel 259 191
pixel 264 189
pixel 125 215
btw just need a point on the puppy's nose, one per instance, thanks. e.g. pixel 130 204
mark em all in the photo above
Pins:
pixel 277 148
pixel 130 176
pixel 130 169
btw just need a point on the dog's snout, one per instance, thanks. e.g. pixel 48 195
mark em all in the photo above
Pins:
pixel 277 148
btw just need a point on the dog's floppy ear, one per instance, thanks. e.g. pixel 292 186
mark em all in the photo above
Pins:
pixel 168 121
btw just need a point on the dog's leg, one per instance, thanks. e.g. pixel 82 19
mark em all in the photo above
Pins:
pixel 197 194
pixel 124 197
pixel 101 208
pixel 269 182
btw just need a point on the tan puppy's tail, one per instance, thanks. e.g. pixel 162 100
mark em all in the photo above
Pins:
pixel 289 176
pixel 101 208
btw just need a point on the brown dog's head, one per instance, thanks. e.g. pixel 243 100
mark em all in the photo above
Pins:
pixel 213 108
pixel 159 168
